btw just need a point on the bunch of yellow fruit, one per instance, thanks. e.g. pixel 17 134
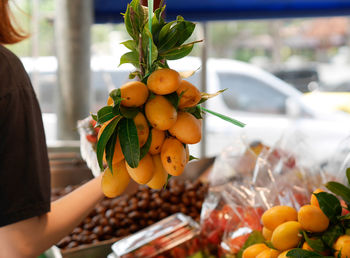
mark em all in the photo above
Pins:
pixel 283 228
pixel 170 126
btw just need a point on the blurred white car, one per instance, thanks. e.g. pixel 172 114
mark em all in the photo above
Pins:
pixel 267 105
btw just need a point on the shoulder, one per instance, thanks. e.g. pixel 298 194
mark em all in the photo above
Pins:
pixel 12 72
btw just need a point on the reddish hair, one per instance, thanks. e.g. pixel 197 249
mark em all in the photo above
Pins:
pixel 9 34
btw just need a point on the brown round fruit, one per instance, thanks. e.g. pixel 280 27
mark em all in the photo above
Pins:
pixel 143 173
pixel 187 128
pixel 134 94
pixel 160 113
pixel 116 183
pixel 164 81
pixel 158 137
pixel 189 94
pixel 173 156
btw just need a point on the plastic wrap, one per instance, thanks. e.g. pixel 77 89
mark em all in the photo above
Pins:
pixel 87 149
pixel 253 178
pixel 174 236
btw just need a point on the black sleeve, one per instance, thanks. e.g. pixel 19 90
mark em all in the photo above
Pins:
pixel 24 167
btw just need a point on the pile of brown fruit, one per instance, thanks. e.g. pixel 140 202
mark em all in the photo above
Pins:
pixel 121 216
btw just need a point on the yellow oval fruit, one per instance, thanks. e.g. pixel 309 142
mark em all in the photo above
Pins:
pixel 277 215
pixel 268 253
pixel 187 128
pixel 134 94
pixel 267 233
pixel 173 156
pixel 110 101
pixel 164 81
pixel 142 128
pixel 253 250
pixel 312 218
pixel 158 137
pixel 283 254
pixel 160 113
pixel 116 183
pixel 342 244
pixel 159 176
pixel 143 173
pixel 286 235
pixel 189 94
pixel 313 199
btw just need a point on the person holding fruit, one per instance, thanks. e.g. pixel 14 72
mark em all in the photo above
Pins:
pixel 29 223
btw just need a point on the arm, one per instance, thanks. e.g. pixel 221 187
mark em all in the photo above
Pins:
pixel 31 237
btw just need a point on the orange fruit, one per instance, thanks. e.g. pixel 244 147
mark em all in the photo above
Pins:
pixel 164 81
pixel 134 94
pixel 158 137
pixel 160 113
pixel 187 128
pixel 116 183
pixel 190 95
pixel 173 156
pixel 143 173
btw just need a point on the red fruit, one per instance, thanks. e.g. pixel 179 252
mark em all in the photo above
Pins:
pixel 214 237
pixel 344 210
pixel 91 138
pixel 93 123
pixel 146 251
pixel 237 243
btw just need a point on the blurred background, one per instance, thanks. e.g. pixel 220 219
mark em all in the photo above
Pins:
pixel 306 61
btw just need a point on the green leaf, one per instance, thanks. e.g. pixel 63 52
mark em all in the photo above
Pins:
pixel 116 95
pixel 206 96
pixel 255 237
pixel 105 114
pixel 128 23
pixel 129 112
pixel 173 98
pixel 151 95
pixel 145 148
pixel 165 31
pixel 195 111
pixel 185 30
pixel 129 142
pixel 193 157
pixel 340 190
pixel 316 244
pixel 94 116
pixel 102 141
pixel 223 117
pixel 332 234
pixel 110 146
pixel 348 175
pixel 130 44
pixel 130 57
pixel 146 35
pixel 167 180
pixel 270 245
pixel 301 253
pixel 134 74
pixel 329 204
pixel 177 53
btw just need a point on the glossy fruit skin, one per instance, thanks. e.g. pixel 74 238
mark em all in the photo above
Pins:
pixel 253 250
pixel 164 81
pixel 267 233
pixel 143 173
pixel 190 95
pixel 173 156
pixel 159 175
pixel 187 128
pixel 160 113
pixel 312 218
pixel 158 138
pixel 268 253
pixel 313 199
pixel 134 94
pixel 115 184
pixel 286 235
pixel 342 244
pixel 277 215
pixel 283 254
pixel 142 128
pixel 118 153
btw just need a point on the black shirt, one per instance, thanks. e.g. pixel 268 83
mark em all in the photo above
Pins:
pixel 24 166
